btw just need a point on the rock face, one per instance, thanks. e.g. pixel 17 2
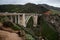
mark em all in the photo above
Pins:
pixel 55 21
pixel 4 35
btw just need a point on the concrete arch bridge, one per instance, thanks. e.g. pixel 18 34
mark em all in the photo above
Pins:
pixel 21 18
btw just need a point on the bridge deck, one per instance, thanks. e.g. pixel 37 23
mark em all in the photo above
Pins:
pixel 19 14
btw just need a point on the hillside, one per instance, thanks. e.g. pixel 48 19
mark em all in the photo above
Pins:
pixel 51 7
pixel 27 8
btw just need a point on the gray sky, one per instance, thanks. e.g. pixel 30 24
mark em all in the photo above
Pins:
pixel 55 3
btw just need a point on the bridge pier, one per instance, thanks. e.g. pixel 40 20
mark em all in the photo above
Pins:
pixel 18 19
pixel 35 17
pixel 11 18
pixel 23 18
pixel 15 18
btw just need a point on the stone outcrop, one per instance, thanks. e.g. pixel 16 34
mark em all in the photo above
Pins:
pixel 55 21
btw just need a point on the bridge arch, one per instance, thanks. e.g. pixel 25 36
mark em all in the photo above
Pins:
pixel 20 18
pixel 32 21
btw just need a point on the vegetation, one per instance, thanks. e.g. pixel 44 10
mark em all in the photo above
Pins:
pixel 47 32
pixel 29 35
pixel 30 23
pixel 55 12
pixel 32 29
pixel 27 8
pixel 42 29
pixel 3 18
pixel 51 7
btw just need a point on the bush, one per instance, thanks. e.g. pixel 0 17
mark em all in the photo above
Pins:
pixel 3 18
pixel 11 25
pixel 47 32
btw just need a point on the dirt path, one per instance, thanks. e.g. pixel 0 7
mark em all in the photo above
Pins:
pixel 4 35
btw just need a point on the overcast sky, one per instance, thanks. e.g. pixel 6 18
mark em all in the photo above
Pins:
pixel 55 3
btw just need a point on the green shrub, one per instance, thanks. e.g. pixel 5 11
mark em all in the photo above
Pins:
pixel 47 32
pixel 11 25
pixel 29 37
pixel 3 18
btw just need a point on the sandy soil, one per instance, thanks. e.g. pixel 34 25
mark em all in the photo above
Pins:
pixel 4 35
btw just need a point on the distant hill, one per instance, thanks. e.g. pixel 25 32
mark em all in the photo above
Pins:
pixel 27 8
pixel 51 7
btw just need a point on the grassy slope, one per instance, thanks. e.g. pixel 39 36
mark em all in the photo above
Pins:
pixel 55 12
pixel 48 32
pixel 29 35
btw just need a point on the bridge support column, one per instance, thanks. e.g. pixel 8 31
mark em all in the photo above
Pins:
pixel 35 17
pixel 18 19
pixel 11 18
pixel 15 19
pixel 23 18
